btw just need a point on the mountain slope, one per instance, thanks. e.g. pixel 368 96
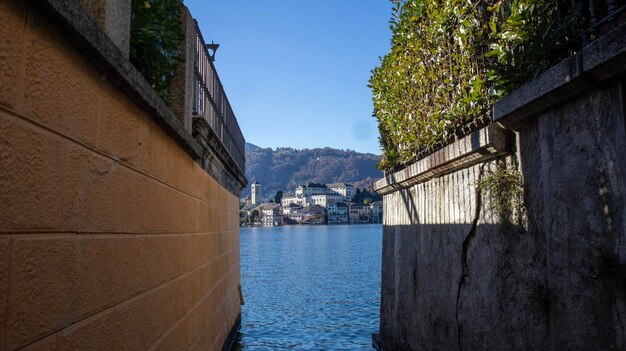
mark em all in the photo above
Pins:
pixel 285 168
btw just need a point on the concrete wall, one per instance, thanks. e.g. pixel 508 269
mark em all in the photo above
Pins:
pixel 111 235
pixel 458 275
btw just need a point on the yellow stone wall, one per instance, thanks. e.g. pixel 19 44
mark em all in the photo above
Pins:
pixel 111 236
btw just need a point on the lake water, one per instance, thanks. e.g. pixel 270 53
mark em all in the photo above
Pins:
pixel 310 287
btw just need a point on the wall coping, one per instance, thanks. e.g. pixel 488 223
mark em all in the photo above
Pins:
pixel 602 60
pixel 482 145
pixel 81 30
pixel 218 164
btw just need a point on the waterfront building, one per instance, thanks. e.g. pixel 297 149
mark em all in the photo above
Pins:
pixel 337 213
pixel 291 208
pixel 271 215
pixel 347 190
pixel 294 214
pixel 377 211
pixel 315 214
pixel 256 193
pixel 360 213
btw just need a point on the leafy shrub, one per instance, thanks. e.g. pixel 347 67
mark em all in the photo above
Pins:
pixel 433 80
pixel 156 33
pixel 527 37
pixel 451 60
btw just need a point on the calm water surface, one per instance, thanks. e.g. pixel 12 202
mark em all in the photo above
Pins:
pixel 310 287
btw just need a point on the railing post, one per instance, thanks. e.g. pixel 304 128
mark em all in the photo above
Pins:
pixel 182 87
pixel 113 17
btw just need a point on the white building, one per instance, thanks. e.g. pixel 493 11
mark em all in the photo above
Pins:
pixel 291 208
pixel 377 211
pixel 256 193
pixel 337 213
pixel 313 189
pixel 360 213
pixel 271 215
pixel 324 200
pixel 294 200
pixel 347 190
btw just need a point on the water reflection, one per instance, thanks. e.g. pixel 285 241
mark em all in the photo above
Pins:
pixel 310 287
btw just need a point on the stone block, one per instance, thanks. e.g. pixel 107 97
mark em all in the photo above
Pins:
pixel 46 344
pixel 190 330
pixel 124 129
pixel 137 323
pixel 42 285
pixel 89 201
pixel 61 88
pixel 31 176
pixel 12 38
pixel 57 281
pixel 5 255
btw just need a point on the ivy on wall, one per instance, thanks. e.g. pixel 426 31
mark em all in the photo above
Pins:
pixel 156 33
pixel 451 60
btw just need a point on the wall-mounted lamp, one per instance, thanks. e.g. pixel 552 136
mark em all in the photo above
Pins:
pixel 212 50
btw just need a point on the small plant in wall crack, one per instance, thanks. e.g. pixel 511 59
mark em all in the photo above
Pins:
pixel 506 187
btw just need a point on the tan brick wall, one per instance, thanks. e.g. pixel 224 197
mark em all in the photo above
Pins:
pixel 111 236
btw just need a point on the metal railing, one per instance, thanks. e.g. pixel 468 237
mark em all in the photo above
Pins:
pixel 600 13
pixel 210 102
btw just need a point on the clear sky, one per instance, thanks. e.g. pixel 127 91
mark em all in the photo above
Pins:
pixel 296 71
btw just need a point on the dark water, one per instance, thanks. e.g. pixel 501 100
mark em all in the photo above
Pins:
pixel 310 287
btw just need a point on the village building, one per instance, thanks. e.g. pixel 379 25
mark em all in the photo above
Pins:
pixel 360 213
pixel 315 214
pixel 347 190
pixel 324 200
pixel 337 213
pixel 377 211
pixel 271 215
pixel 294 214
pixel 286 200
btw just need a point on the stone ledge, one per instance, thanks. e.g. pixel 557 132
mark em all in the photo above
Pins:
pixel 216 160
pixel 74 22
pixel 480 146
pixel 601 60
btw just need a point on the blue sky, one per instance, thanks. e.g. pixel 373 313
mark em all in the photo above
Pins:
pixel 296 71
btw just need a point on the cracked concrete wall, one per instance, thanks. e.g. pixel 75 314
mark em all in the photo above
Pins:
pixel 111 236
pixel 457 276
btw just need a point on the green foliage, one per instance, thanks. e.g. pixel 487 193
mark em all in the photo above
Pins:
pixel 156 32
pixel 366 197
pixel 451 60
pixel 433 81
pixel 527 37
pixel 506 187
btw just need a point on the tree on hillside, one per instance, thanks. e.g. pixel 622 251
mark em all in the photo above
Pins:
pixel 278 197
pixel 366 197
